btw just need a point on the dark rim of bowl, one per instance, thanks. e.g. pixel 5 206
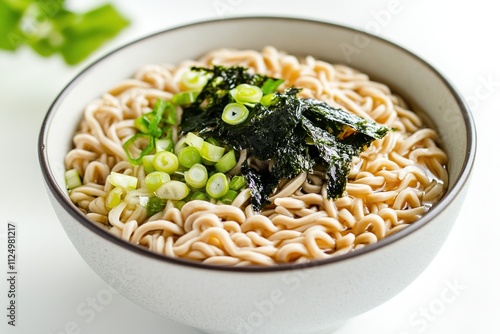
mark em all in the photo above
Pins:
pixel 452 192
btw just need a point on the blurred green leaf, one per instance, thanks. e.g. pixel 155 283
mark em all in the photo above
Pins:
pixel 90 31
pixel 10 35
pixel 48 28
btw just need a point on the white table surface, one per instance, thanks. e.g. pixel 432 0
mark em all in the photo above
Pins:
pixel 458 293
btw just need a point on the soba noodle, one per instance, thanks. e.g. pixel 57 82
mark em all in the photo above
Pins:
pixel 391 185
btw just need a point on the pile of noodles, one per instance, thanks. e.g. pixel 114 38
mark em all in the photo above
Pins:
pixel 392 184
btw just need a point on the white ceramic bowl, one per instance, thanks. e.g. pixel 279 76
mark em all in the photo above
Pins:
pixel 311 298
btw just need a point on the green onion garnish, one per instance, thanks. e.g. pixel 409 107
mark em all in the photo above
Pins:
pixel 237 182
pixel 217 185
pixel 194 140
pixel 114 197
pixel 126 182
pixel 268 100
pixel 246 94
pixel 155 205
pixel 137 146
pixel 165 161
pixel 194 80
pixel 234 113
pixel 229 197
pixel 227 162
pixel 184 98
pixel 196 176
pixel 270 85
pixel 156 179
pixel 164 144
pixel 147 162
pixel 173 190
pixel 199 195
pixel 189 156
pixel 72 179
pixel 211 153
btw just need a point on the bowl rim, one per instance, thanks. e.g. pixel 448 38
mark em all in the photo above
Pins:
pixel 64 201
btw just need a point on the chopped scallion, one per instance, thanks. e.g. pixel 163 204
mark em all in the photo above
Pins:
pixel 189 156
pixel 72 179
pixel 156 179
pixel 270 85
pixel 217 185
pixel 184 98
pixel 199 195
pixel 114 197
pixel 196 176
pixel 194 140
pixel 237 182
pixel 227 162
pixel 165 161
pixel 155 205
pixel 173 190
pixel 234 113
pixel 194 80
pixel 164 144
pixel 137 146
pixel 229 197
pixel 124 181
pixel 268 100
pixel 211 152
pixel 147 162
pixel 247 94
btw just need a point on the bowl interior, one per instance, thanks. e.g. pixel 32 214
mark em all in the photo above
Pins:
pixel 402 71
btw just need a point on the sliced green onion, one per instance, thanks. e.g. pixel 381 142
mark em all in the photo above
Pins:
pixel 194 80
pixel 155 205
pixel 229 197
pixel 268 100
pixel 178 204
pixel 72 179
pixel 270 85
pixel 217 185
pixel 234 113
pixel 237 182
pixel 227 162
pixel 247 94
pixel 114 197
pixel 213 141
pixel 184 98
pixel 164 144
pixel 174 190
pixel 165 161
pixel 124 181
pixel 156 179
pixel 196 176
pixel 194 140
pixel 137 146
pixel 199 195
pixel 211 152
pixel 189 156
pixel 147 162
pixel 171 114
pixel 142 123
pixel 158 111
pixel 181 143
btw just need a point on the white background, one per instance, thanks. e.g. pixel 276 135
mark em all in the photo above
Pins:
pixel 458 293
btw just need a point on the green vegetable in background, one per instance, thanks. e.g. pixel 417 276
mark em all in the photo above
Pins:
pixel 49 28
